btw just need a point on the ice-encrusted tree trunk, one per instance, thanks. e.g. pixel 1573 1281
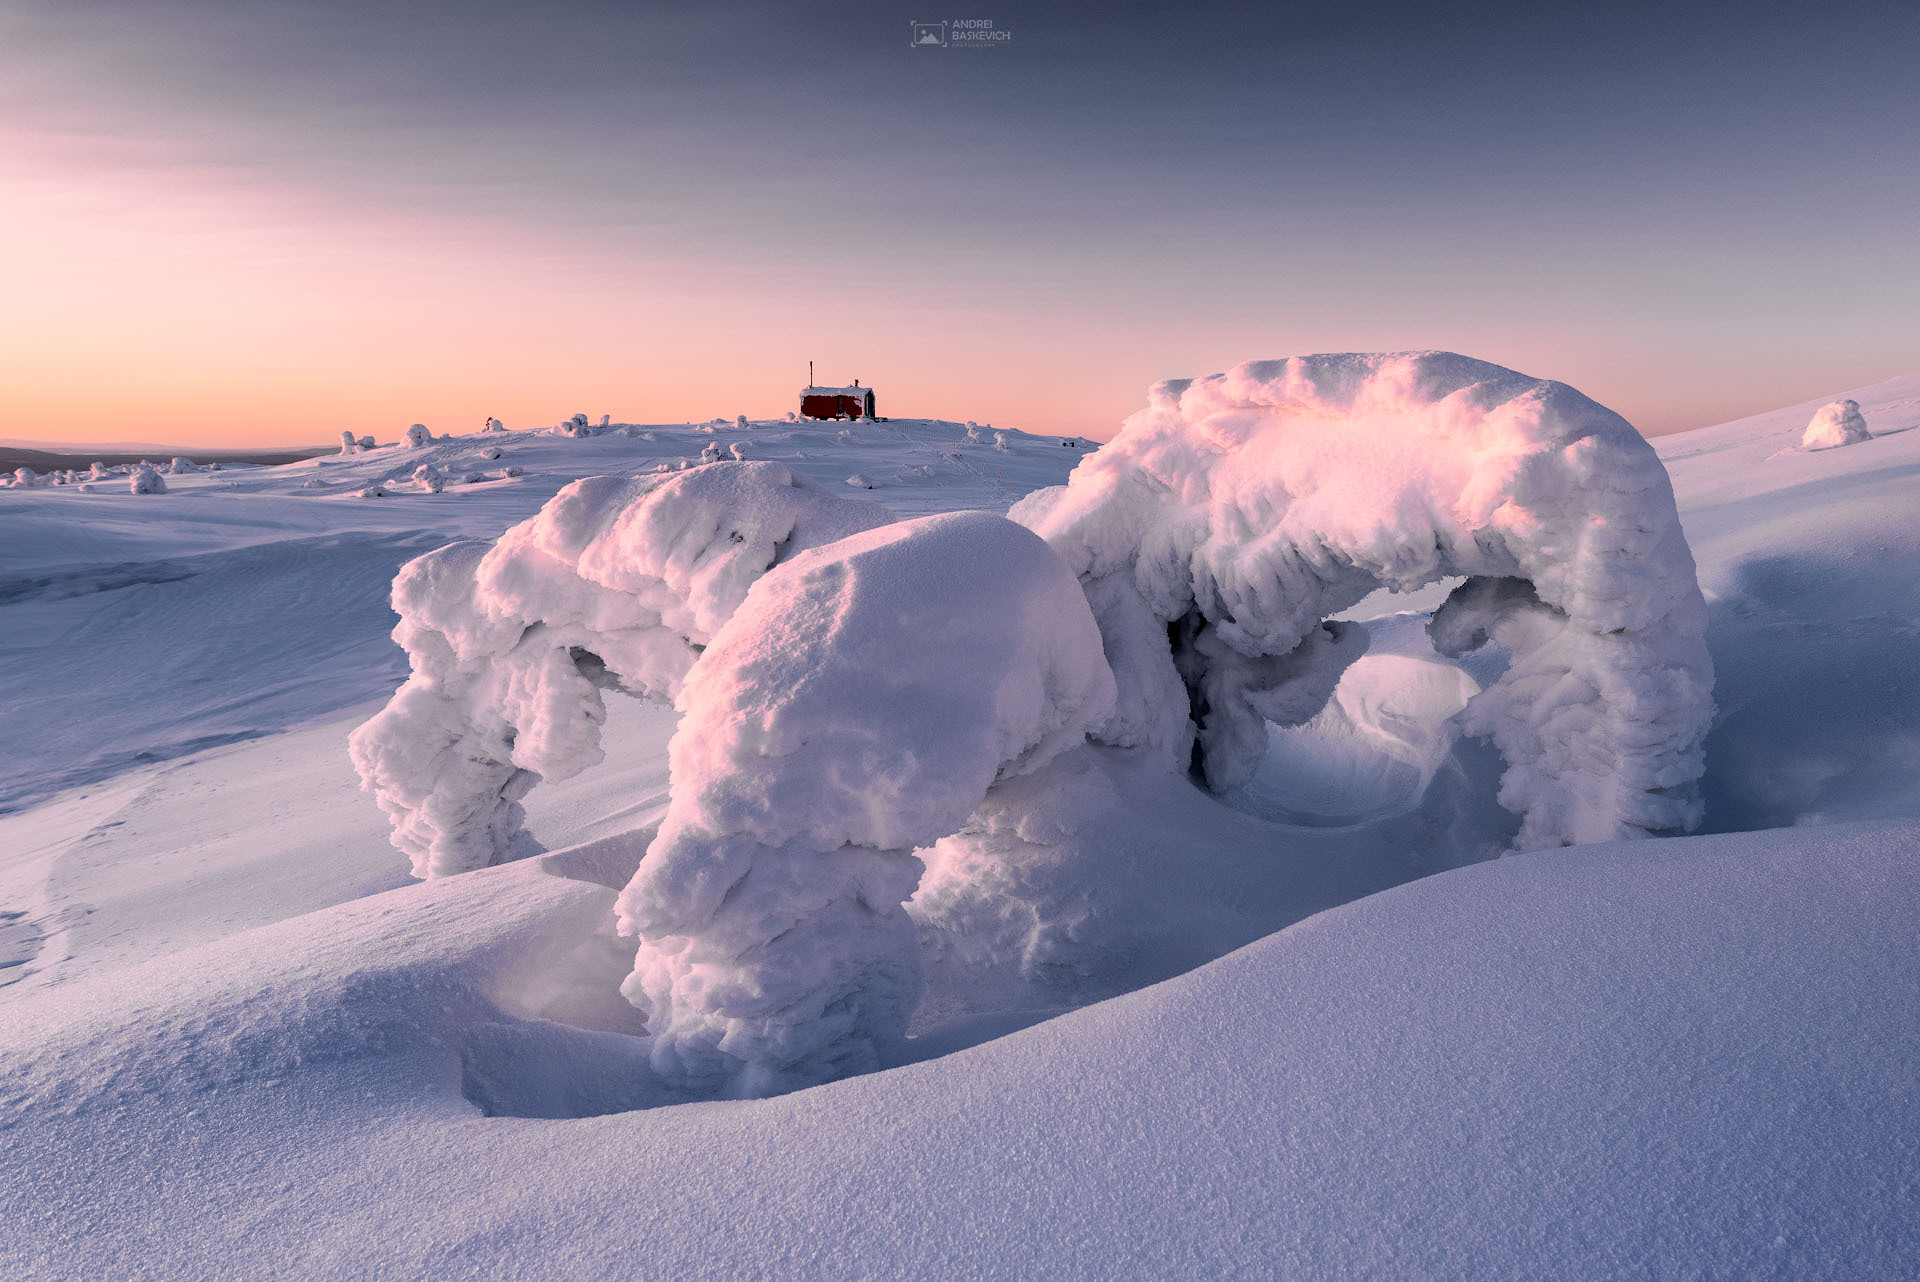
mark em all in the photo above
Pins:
pixel 1236 513
pixel 861 703
pixel 614 584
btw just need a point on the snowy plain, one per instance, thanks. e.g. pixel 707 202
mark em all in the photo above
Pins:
pixel 1329 1036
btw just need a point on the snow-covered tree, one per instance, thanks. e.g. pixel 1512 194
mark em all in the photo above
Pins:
pixel 146 479
pixel 614 584
pixel 418 437
pixel 1236 513
pixel 349 444
pixel 1836 423
pixel 862 701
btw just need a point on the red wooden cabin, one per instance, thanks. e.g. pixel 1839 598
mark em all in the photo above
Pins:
pixel 837 402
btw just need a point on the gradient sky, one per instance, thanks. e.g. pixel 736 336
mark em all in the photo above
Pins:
pixel 262 222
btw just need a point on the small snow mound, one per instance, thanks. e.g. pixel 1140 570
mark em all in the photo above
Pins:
pixel 146 480
pixel 182 466
pixel 1836 423
pixel 859 482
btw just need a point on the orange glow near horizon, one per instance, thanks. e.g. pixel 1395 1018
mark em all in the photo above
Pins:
pixel 157 299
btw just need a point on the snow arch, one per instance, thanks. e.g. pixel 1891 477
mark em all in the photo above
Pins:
pixel 1235 514
pixel 614 584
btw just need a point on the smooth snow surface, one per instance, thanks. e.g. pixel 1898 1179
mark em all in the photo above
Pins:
pixel 1687 1058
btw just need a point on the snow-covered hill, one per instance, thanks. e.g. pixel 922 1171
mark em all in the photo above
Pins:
pixel 239 1039
pixel 248 600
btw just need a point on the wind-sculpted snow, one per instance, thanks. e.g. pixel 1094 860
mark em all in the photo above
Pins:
pixel 862 702
pixel 1236 512
pixel 1836 423
pixel 613 584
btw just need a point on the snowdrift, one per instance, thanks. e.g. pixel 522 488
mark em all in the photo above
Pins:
pixel 1646 1059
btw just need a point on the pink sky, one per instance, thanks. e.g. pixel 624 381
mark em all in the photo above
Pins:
pixel 179 271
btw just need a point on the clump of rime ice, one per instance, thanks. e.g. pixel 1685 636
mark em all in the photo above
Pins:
pixel 863 701
pixel 1236 512
pixel 145 479
pixel 1836 423
pixel 614 584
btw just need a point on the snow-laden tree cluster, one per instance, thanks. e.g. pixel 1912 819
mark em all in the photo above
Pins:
pixel 1236 513
pixel 613 584
pixel 854 690
pixel 1835 423
pixel 860 704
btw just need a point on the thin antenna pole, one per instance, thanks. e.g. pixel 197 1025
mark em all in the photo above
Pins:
pixel 809 373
